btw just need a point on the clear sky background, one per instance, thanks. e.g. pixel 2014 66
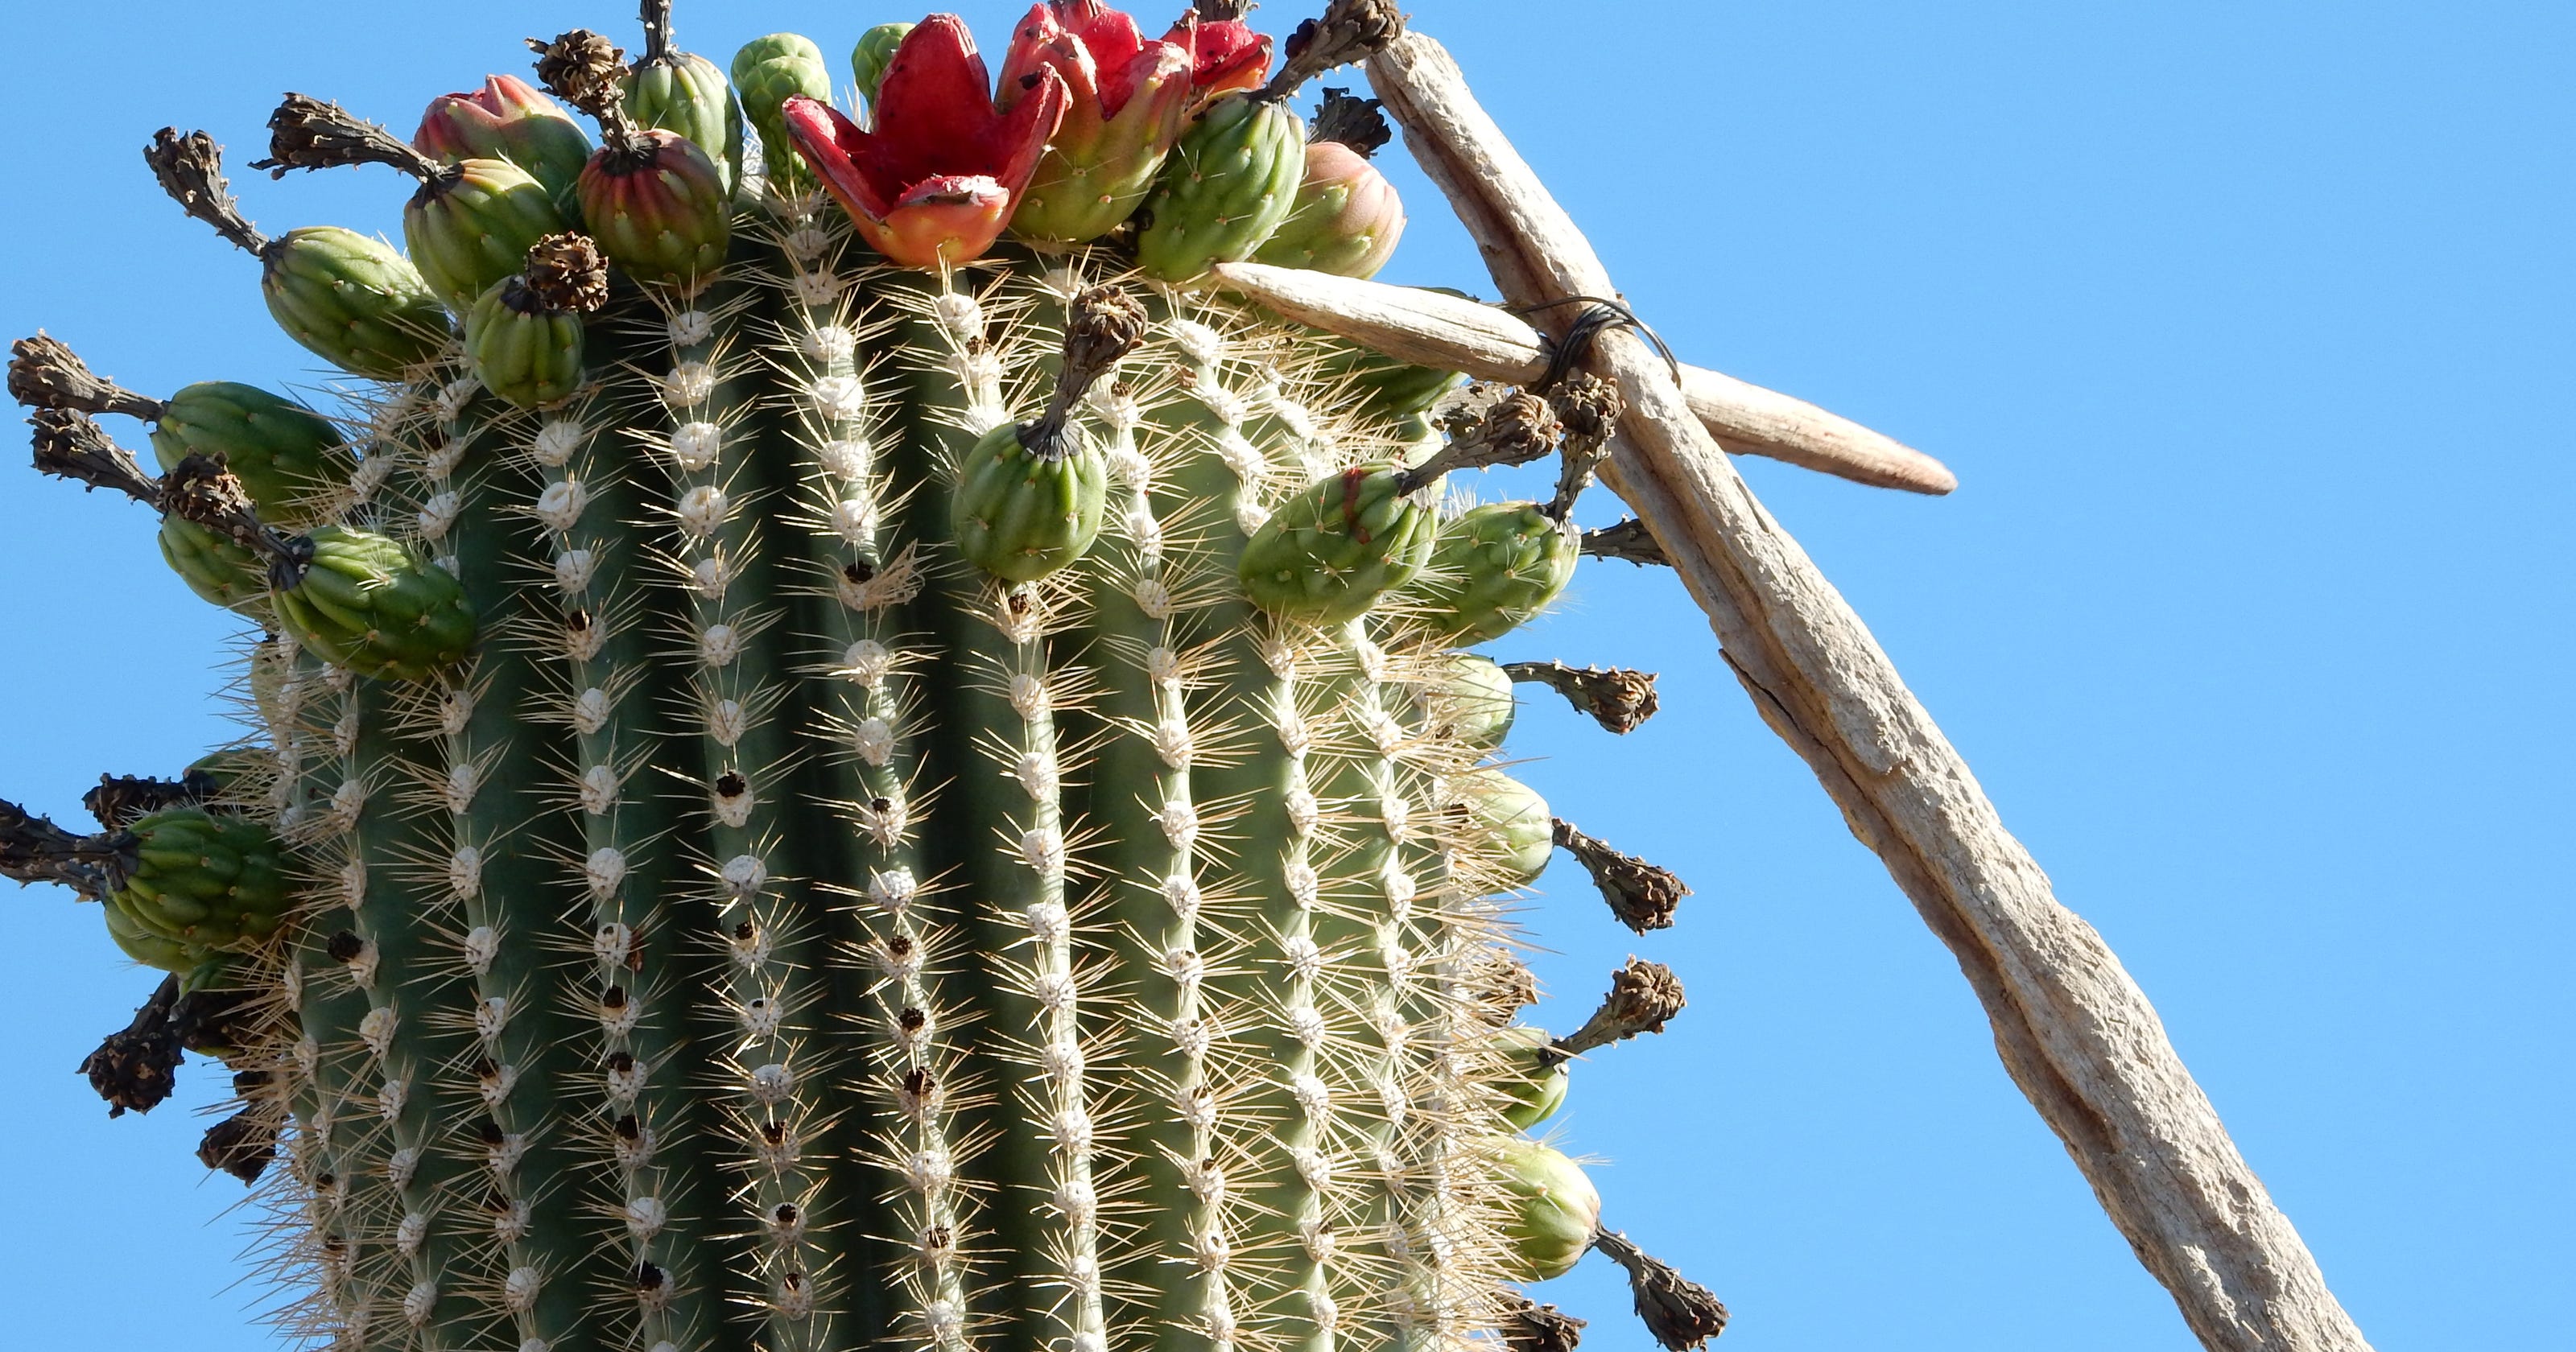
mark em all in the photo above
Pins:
pixel 2246 327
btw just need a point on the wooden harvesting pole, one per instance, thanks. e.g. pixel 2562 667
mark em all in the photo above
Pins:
pixel 2073 1029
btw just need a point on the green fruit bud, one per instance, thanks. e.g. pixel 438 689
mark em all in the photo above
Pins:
pixel 1328 553
pixel 353 301
pixel 471 227
pixel 766 73
pixel 1495 567
pixel 1534 1081
pixel 1021 514
pixel 1469 700
pixel 366 604
pixel 1230 182
pixel 139 943
pixel 874 53
pixel 218 568
pixel 522 351
pixel 206 881
pixel 1554 1211
pixel 1515 835
pixel 284 454
pixel 684 94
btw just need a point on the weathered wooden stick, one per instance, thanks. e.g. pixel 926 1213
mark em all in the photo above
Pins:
pixel 1431 329
pixel 2074 1030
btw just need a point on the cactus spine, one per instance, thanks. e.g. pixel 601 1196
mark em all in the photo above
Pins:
pixel 796 919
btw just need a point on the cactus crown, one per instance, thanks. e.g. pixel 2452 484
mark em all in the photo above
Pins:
pixel 819 782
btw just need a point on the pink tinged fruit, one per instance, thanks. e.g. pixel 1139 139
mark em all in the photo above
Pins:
pixel 1348 216
pixel 937 179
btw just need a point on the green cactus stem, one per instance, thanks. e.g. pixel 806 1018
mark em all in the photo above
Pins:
pixel 803 801
pixel 1643 896
pixel 1620 699
pixel 1680 1314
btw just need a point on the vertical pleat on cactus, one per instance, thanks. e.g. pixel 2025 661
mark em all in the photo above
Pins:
pixel 959 822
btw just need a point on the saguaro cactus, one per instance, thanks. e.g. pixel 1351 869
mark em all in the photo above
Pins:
pixel 824 778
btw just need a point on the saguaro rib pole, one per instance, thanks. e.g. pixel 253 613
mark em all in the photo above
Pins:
pixel 1445 331
pixel 2073 1029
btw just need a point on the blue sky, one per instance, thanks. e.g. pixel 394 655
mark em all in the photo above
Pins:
pixel 2246 329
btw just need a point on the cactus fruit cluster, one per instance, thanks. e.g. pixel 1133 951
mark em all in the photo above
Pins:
pixel 841 755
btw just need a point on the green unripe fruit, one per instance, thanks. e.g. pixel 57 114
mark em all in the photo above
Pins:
pixel 1534 1079
pixel 218 568
pixel 136 941
pixel 368 605
pixel 1470 699
pixel 684 94
pixel 1495 567
pixel 662 214
pixel 283 453
pixel 766 73
pixel 1019 514
pixel 524 353
pixel 471 227
pixel 1328 553
pixel 206 881
pixel 1515 833
pixel 1230 182
pixel 873 54
pixel 1554 1210
pixel 352 300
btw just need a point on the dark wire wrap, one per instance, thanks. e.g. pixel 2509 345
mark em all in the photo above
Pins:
pixel 1599 315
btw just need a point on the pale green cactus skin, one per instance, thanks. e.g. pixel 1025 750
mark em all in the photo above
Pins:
pixel 779 933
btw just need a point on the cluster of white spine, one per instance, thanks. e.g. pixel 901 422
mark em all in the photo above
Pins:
pixel 583 550
pixel 776 1072
pixel 331 1148
pixel 1328 1201
pixel 468 743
